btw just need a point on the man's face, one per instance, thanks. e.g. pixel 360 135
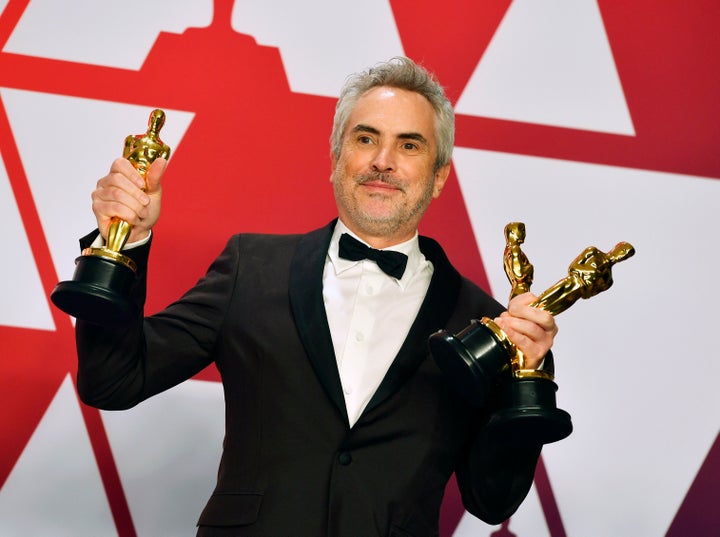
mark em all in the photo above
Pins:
pixel 384 179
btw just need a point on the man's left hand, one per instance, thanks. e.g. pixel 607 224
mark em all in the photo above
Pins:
pixel 531 329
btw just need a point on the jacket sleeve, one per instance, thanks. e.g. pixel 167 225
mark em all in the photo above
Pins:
pixel 122 365
pixel 494 478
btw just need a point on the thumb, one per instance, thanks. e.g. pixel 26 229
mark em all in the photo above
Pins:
pixel 154 175
pixel 521 300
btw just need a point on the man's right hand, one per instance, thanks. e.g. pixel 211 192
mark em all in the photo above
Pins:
pixel 123 193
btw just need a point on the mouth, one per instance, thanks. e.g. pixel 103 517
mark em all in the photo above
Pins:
pixel 379 183
pixel 379 186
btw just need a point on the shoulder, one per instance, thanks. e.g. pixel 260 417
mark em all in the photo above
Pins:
pixel 270 248
pixel 472 301
pixel 262 240
pixel 282 242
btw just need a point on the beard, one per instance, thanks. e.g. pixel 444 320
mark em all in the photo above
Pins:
pixel 396 215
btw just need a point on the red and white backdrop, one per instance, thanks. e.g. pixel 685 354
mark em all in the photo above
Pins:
pixel 591 121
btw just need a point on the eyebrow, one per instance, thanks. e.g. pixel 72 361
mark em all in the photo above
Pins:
pixel 365 128
pixel 403 135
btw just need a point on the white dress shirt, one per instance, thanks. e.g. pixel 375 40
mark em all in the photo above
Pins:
pixel 370 315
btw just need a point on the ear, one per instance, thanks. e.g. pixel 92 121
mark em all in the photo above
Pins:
pixel 333 164
pixel 441 177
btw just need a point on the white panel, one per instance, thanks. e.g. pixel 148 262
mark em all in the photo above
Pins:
pixel 528 520
pixel 55 488
pixel 550 63
pixel 23 298
pixel 633 364
pixel 167 450
pixel 317 52
pixel 115 34
pixel 63 168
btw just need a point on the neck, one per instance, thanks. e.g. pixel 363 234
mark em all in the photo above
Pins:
pixel 381 241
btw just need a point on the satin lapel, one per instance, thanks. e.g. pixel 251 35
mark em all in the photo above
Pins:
pixel 308 310
pixel 435 311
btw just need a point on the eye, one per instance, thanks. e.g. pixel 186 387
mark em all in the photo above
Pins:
pixel 410 147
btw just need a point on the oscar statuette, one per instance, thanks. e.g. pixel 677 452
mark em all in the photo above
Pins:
pixel 487 368
pixel 100 288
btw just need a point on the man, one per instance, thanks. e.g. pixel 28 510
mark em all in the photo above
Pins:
pixel 338 422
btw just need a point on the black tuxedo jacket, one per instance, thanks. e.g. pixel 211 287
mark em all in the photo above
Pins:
pixel 291 465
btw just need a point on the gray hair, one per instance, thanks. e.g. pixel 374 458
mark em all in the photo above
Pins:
pixel 402 73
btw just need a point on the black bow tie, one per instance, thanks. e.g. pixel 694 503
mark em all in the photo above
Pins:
pixel 391 263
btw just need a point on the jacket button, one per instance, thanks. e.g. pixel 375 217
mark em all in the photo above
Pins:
pixel 344 458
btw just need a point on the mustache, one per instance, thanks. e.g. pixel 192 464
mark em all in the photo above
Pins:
pixel 374 177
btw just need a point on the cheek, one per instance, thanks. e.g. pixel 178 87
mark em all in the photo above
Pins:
pixel 353 158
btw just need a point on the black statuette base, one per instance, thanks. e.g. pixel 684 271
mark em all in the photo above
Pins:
pixel 528 413
pixel 522 409
pixel 472 360
pixel 98 292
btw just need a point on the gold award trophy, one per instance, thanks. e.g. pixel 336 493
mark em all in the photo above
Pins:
pixel 484 365
pixel 100 288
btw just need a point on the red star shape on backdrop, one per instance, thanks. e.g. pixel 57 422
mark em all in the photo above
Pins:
pixel 217 179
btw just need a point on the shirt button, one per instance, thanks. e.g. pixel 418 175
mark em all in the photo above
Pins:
pixel 359 336
pixel 348 390
pixel 369 290
pixel 344 458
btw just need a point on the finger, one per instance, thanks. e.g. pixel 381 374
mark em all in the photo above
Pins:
pixel 523 299
pixel 118 190
pixel 122 180
pixel 125 168
pixel 116 195
pixel 154 175
pixel 522 328
pixel 104 211
pixel 531 338
pixel 520 307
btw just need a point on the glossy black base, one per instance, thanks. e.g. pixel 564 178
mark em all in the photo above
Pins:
pixel 528 414
pixel 98 292
pixel 472 360
pixel 523 410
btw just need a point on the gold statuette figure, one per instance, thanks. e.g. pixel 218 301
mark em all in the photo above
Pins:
pixel 518 268
pixel 100 288
pixel 488 368
pixel 141 150
pixel 589 274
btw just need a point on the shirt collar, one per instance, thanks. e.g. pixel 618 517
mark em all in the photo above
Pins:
pixel 411 248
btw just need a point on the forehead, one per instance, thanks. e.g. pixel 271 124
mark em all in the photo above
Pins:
pixel 394 111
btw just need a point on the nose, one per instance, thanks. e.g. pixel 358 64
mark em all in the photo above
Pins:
pixel 383 160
